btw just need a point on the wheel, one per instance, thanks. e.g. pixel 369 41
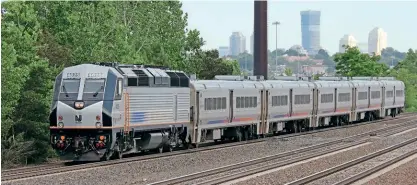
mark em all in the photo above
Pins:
pixel 119 154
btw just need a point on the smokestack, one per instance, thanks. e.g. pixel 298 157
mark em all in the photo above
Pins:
pixel 261 39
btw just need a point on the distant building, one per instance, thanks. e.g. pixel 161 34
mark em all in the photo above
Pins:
pixel 377 41
pixel 314 69
pixel 346 40
pixel 300 50
pixel 363 47
pixel 310 31
pixel 252 44
pixel 223 51
pixel 237 43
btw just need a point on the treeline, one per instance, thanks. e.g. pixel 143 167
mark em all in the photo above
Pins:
pixel 354 63
pixel 40 38
pixel 389 56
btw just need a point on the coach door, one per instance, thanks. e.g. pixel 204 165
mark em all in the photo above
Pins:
pixel 369 97
pixel 394 97
pixel 262 123
pixel 335 99
pixel 231 106
pixel 291 104
pixel 266 107
pixel 353 100
pixel 315 107
pixel 196 119
pixel 382 109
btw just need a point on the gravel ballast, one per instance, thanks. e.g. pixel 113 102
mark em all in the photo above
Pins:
pixel 405 174
pixel 299 171
pixel 144 172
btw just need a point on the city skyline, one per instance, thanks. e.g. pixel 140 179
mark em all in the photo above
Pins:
pixel 337 20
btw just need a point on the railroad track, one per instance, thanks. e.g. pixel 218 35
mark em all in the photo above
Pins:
pixel 13 174
pixel 375 169
pixel 306 153
pixel 349 164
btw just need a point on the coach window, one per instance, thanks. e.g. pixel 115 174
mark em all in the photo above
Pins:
pixel 119 89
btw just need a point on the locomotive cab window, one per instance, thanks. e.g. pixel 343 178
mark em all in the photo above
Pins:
pixel 69 89
pixel 93 89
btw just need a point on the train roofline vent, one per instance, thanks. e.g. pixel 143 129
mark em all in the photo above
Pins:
pixel 333 78
pixel 229 77
pixel 286 78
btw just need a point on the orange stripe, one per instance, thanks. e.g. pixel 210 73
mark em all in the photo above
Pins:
pixel 121 126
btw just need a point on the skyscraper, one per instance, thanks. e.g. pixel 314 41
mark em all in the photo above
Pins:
pixel 377 41
pixel 223 51
pixel 310 31
pixel 237 43
pixel 346 40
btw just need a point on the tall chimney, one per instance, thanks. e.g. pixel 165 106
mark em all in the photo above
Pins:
pixel 261 39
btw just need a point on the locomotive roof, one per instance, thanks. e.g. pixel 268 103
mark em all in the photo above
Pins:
pixel 88 71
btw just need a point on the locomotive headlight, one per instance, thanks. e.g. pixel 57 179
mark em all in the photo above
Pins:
pixel 98 125
pixel 79 105
pixel 61 125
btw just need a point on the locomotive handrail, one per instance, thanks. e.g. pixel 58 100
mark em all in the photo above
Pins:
pixel 127 113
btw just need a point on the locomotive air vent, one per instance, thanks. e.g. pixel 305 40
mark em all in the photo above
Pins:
pixel 175 79
pixel 142 77
pixel 184 80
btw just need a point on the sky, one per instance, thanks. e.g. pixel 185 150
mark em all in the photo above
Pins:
pixel 216 20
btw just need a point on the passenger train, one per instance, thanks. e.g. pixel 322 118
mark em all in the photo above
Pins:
pixel 105 110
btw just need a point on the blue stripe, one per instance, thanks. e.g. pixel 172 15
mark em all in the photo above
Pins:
pixel 216 121
pixel 280 116
pixel 137 117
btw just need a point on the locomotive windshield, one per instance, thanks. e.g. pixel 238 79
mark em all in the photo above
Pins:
pixel 69 88
pixel 93 89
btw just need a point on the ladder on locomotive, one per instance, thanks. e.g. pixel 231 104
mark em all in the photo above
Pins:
pixel 127 113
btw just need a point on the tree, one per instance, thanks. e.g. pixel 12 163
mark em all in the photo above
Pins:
pixel 354 63
pixel 406 71
pixel 288 71
pixel 327 60
pixel 39 38
pixel 211 65
pixel 292 52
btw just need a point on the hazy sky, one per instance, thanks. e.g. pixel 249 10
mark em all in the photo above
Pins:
pixel 216 20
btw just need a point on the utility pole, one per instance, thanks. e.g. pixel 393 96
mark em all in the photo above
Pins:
pixel 276 23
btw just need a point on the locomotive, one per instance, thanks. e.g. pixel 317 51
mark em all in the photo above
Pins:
pixel 105 110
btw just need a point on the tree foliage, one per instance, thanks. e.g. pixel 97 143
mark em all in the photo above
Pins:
pixel 288 72
pixel 354 63
pixel 406 71
pixel 40 38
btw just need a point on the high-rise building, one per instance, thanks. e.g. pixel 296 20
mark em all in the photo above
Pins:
pixel 223 51
pixel 346 40
pixel 377 41
pixel 363 47
pixel 237 44
pixel 252 44
pixel 310 31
